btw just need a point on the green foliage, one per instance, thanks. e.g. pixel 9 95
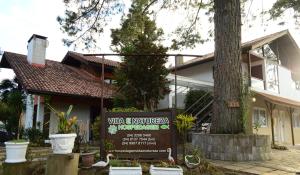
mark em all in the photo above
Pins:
pixel 96 128
pixel 256 126
pixel 141 79
pixel 66 124
pixel 136 24
pixel 280 6
pixel 120 101
pixel 83 21
pixel 122 163
pixel 35 136
pixel 164 164
pixel 4 111
pixel 192 159
pixel 78 139
pixel 192 96
pixel 245 101
pixel 199 96
pixel 108 145
pixel 184 122
pixel 11 105
pixel 18 141
pixel 131 109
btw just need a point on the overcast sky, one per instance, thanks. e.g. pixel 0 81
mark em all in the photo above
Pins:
pixel 22 18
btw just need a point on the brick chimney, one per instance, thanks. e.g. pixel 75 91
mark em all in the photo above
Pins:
pixel 36 47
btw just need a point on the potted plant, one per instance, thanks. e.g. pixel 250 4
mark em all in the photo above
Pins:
pixel 87 157
pixel 15 149
pixel 164 168
pixel 193 160
pixel 121 167
pixel 183 123
pixel 63 141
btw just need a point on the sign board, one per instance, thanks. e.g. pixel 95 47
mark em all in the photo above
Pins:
pixel 140 135
pixel 233 104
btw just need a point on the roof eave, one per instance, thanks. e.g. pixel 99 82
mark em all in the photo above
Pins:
pixel 44 92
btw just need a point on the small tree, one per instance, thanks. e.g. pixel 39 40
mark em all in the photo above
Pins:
pixel 184 123
pixel 141 79
pixel 12 99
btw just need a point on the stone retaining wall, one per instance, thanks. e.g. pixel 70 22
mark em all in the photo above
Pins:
pixel 233 147
pixel 37 153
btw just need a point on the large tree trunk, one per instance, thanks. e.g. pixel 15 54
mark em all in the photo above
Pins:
pixel 227 68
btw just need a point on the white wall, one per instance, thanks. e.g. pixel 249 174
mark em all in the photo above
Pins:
pixel 202 72
pixel 286 84
pixel 81 111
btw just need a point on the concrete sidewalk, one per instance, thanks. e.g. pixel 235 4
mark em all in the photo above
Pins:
pixel 285 162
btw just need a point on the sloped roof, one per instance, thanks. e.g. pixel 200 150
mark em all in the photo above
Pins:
pixel 278 100
pixel 246 46
pixel 91 59
pixel 55 78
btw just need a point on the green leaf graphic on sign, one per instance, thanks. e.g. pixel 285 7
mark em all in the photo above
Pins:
pixel 164 127
pixel 112 129
pixel 128 121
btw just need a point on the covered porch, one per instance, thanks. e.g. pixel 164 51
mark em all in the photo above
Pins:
pixel 277 116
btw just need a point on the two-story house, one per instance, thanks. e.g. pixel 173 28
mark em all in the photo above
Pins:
pixel 75 80
pixel 271 64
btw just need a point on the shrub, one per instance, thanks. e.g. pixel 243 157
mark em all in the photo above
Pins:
pixel 66 124
pixel 131 109
pixel 96 128
pixel 183 124
pixel 34 135
pixel 192 96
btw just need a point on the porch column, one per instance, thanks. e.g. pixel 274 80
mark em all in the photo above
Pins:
pixel 271 107
pixel 40 114
pixel 291 111
pixel 29 111
pixel 170 98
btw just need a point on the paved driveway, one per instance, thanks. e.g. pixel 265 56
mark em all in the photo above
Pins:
pixel 283 162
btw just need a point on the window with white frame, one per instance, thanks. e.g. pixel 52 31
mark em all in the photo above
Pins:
pixel 260 117
pixel 296 120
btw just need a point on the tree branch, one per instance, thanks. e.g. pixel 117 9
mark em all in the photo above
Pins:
pixel 96 19
pixel 196 17
pixel 87 12
pixel 148 6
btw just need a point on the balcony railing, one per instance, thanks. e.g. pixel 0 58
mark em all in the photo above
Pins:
pixel 257 83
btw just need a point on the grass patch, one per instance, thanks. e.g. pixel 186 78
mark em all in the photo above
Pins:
pixel 165 165
pixel 120 163
pixel 18 141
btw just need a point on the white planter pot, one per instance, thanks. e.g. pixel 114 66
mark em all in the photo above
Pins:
pixel 125 170
pixel 165 171
pixel 189 164
pixel 62 143
pixel 16 151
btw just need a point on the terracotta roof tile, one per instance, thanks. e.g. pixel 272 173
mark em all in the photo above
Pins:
pixel 55 78
pixel 93 59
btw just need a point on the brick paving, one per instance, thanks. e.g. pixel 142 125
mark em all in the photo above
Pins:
pixel 285 162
